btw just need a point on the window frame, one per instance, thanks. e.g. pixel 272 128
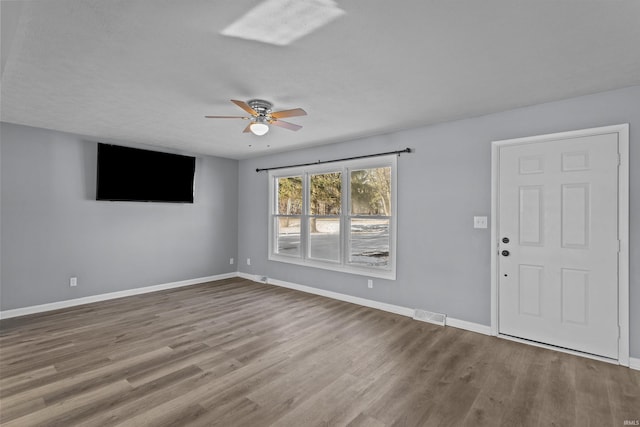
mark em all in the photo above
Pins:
pixel 345 217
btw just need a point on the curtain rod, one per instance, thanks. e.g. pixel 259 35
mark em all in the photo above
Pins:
pixel 319 162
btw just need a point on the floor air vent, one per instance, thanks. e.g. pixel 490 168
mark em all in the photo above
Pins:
pixel 427 316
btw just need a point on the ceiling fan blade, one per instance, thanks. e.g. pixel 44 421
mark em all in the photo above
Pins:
pixel 245 107
pixel 248 128
pixel 227 117
pixel 285 125
pixel 289 113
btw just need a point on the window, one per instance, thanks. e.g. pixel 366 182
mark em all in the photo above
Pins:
pixel 338 216
pixel 288 215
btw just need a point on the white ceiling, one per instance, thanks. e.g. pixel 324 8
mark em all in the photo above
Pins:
pixel 147 71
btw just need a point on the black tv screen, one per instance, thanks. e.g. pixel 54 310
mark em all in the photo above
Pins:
pixel 132 174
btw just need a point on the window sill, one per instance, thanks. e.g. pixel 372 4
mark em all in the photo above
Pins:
pixel 351 269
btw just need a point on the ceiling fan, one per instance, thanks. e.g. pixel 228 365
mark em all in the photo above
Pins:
pixel 262 116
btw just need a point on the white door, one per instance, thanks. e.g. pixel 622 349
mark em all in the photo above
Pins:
pixel 558 243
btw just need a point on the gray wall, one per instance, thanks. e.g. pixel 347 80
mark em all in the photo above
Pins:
pixel 443 262
pixel 53 228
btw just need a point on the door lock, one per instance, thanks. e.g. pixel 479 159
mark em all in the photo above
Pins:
pixel 505 240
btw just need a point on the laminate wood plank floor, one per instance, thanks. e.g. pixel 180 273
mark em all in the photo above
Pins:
pixel 239 353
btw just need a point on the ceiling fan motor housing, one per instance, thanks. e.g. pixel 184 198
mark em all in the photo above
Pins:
pixel 262 107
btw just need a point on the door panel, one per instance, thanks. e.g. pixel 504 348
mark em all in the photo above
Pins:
pixel 575 216
pixel 558 207
pixel 531 215
pixel 575 296
pixel 530 292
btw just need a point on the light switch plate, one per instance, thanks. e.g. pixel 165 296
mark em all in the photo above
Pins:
pixel 479 222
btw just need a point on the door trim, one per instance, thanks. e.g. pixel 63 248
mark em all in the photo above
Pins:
pixel 623 224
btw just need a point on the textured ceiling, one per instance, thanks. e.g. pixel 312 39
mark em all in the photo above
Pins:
pixel 147 71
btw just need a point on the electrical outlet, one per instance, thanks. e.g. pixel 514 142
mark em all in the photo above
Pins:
pixel 248 261
pixel 370 284
pixel 73 281
pixel 231 261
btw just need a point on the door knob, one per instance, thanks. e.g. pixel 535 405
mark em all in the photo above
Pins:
pixel 505 253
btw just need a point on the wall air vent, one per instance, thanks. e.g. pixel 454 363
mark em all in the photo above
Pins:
pixel 427 316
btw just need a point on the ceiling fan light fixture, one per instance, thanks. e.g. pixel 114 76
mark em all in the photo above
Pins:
pixel 259 128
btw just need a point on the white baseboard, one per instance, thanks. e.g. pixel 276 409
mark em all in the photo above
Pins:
pixel 397 309
pixel 469 326
pixel 6 314
pixel 634 363
pixel 252 277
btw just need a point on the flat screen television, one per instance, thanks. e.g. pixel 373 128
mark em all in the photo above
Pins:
pixel 131 174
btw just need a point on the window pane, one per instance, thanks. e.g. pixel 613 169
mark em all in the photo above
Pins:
pixel 289 195
pixel 288 236
pixel 369 242
pixel 324 238
pixel 325 193
pixel 371 192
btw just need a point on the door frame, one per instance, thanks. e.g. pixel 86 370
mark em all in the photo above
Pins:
pixel 623 230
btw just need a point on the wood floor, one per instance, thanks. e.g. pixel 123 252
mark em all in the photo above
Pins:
pixel 237 353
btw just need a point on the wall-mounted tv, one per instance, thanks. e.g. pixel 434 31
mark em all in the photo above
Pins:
pixel 131 174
